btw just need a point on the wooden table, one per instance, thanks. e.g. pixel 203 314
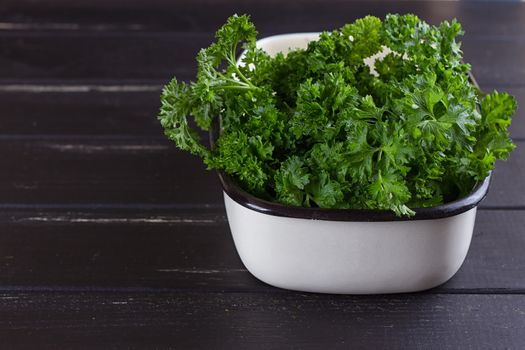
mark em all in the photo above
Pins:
pixel 110 237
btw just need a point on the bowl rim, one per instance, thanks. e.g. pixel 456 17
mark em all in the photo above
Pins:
pixel 441 211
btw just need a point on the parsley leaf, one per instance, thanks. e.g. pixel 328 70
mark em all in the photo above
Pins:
pixel 376 114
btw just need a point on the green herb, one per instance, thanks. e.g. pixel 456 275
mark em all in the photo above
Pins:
pixel 321 128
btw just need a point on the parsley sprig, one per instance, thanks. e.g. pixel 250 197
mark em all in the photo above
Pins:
pixel 320 127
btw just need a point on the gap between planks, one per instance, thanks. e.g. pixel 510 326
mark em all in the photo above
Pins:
pixel 120 220
pixel 204 215
pixel 211 215
pixel 44 88
pixel 14 26
pixel 262 289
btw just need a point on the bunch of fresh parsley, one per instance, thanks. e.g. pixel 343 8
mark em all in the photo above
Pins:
pixel 320 128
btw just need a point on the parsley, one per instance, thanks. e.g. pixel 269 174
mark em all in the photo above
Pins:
pixel 321 128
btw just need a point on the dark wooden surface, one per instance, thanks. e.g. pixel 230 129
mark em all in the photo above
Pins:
pixel 112 238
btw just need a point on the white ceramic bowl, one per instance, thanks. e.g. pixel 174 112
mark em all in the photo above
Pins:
pixel 347 251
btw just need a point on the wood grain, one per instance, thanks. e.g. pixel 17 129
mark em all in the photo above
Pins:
pixel 167 250
pixel 486 18
pixel 80 113
pixel 508 187
pixel 261 321
pixel 97 170
pixel 93 57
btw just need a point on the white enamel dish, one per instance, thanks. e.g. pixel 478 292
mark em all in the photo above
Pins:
pixel 347 251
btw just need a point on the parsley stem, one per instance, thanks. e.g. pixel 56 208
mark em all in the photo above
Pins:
pixel 240 84
pixel 233 62
pixel 244 78
pixel 242 87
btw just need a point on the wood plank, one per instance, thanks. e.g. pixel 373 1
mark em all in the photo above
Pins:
pixel 85 170
pixel 94 57
pixel 517 128
pixel 508 183
pixel 95 112
pixel 261 321
pixel 80 113
pixel 493 60
pixel 494 18
pixel 161 249
pixel 495 260
pixel 166 250
pixel 153 58
pixel 98 170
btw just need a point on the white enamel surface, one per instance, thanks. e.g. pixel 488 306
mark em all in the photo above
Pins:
pixel 346 257
pixel 349 257
pixel 284 42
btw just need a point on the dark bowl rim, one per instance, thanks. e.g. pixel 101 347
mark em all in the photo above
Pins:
pixel 449 209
